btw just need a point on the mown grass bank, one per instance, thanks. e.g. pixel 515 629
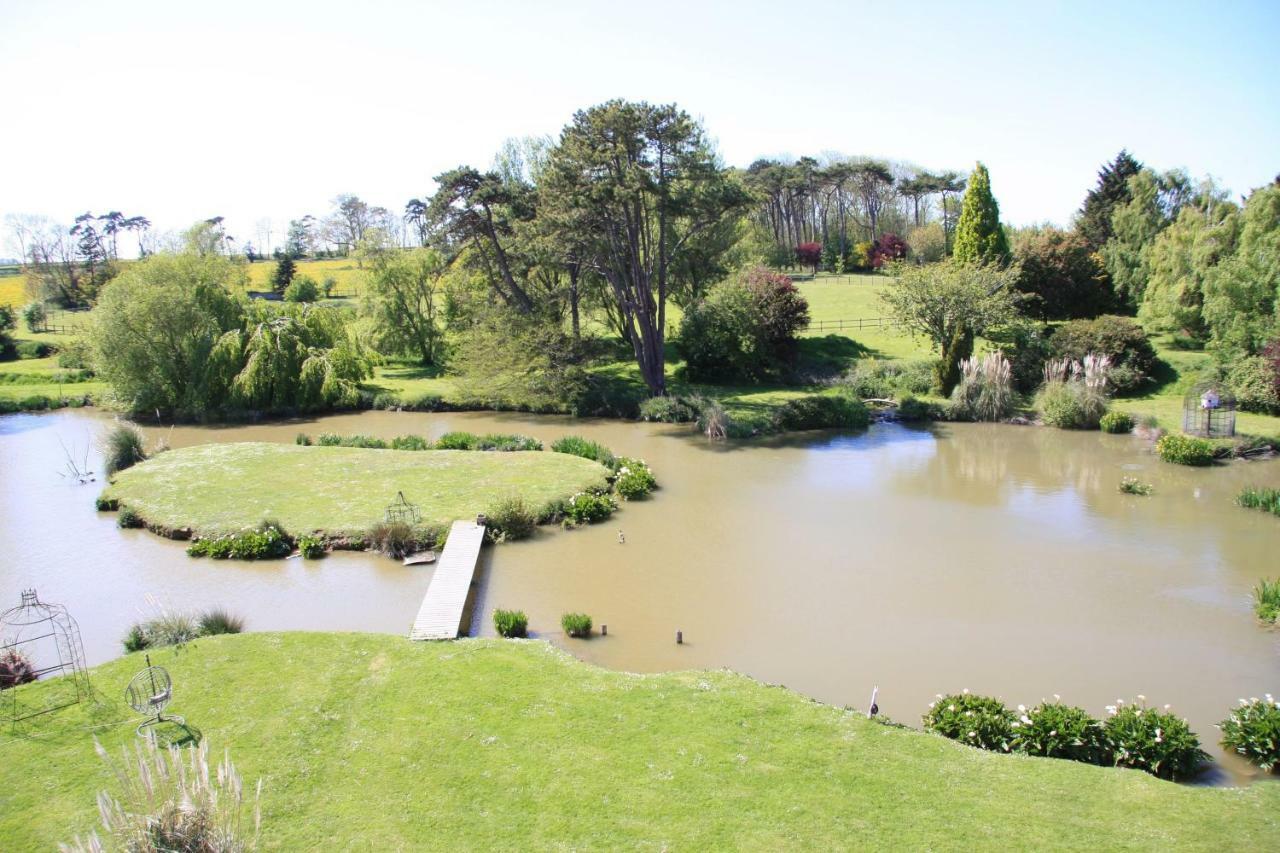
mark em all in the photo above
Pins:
pixel 375 742
pixel 222 488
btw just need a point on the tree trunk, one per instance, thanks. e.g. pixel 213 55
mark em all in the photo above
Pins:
pixel 947 370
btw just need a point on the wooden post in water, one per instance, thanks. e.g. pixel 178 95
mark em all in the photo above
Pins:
pixel 679 638
pixel 604 630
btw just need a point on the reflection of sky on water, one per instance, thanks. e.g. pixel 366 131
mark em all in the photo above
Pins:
pixel 859 461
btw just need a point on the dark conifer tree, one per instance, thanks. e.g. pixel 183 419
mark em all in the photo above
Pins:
pixel 1112 191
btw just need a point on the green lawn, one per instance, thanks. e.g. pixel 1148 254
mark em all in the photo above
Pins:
pixel 217 488
pixel 374 742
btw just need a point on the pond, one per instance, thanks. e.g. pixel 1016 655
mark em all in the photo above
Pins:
pixel 920 560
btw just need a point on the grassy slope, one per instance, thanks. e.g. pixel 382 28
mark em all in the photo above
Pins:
pixel 343 270
pixel 224 487
pixel 375 742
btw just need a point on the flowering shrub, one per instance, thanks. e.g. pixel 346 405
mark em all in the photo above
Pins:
pixel 634 479
pixel 266 541
pixel 1253 731
pixel 1116 423
pixel 15 669
pixel 588 508
pixel 1155 741
pixel 981 721
pixel 1185 449
pixel 311 547
pixel 1055 730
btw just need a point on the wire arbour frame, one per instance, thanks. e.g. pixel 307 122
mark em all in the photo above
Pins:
pixel 49 638
pixel 400 510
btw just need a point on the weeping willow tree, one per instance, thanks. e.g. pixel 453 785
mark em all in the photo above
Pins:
pixel 170 337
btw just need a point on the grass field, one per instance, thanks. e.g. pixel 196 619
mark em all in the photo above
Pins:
pixel 218 488
pixel 348 277
pixel 375 742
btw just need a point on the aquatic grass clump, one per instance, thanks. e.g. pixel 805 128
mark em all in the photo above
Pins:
pixel 410 442
pixel 1252 731
pixel 456 441
pixel 1158 742
pixel 510 623
pixel 329 439
pixel 1185 450
pixel 1116 423
pixel 576 624
pixel 1056 730
pixel 981 721
pixel 1267 500
pixel 1134 486
pixel 633 479
pixel 171 799
pixel 511 519
pixel 985 391
pixel 123 447
pixel 217 621
pixel 575 445
pixel 15 669
pixel 265 542
pixel 588 508
pixel 507 443
pixel 1266 600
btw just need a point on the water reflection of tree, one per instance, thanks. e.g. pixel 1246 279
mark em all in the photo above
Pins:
pixel 986 464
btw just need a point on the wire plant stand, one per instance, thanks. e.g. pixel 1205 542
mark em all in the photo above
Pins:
pixel 402 512
pixel 48 638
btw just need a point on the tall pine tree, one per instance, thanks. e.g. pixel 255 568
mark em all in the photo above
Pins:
pixel 1112 191
pixel 980 238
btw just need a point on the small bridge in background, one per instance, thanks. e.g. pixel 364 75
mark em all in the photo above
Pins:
pixel 440 617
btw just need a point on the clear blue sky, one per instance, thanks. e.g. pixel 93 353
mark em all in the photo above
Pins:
pixel 181 111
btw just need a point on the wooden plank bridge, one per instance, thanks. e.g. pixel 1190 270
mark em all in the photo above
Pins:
pixel 440 617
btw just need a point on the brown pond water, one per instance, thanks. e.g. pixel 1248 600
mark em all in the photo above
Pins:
pixel 995 558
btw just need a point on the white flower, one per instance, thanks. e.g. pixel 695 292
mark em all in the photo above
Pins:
pixel 973 734
pixel 1053 733
pixel 1167 707
pixel 1022 709
pixel 1026 719
pixel 951 707
pixel 1159 735
pixel 1111 709
pixel 1141 698
pixel 965 691
pixel 1057 698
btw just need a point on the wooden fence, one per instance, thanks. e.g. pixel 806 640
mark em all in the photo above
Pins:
pixel 856 323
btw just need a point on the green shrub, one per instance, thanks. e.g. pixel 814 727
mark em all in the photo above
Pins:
pixel 744 328
pixel 588 508
pixel 1254 384
pixel 1185 341
pixel 510 623
pixel 311 547
pixel 633 479
pixel 1266 600
pixel 1133 359
pixel 1158 742
pixel 35 316
pixel 135 640
pixel 914 409
pixel 33 349
pixel 129 519
pixel 76 355
pixel 878 379
pixel 303 288
pixel 577 446
pixel 817 411
pixel 106 504
pixel 15 669
pixel 669 410
pixel 498 441
pixel 717 424
pixel 1267 500
pixel 122 448
pixel 1133 486
pixel 264 542
pixel 410 442
pixel 217 621
pixel 511 519
pixel 456 441
pixel 1253 732
pixel 1116 423
pixel 329 439
pixel 302 439
pixel 985 390
pixel 1185 449
pixel 981 721
pixel 328 285
pixel 576 624
pixel 1055 730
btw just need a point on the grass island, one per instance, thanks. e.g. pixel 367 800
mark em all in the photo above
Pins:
pixel 222 488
